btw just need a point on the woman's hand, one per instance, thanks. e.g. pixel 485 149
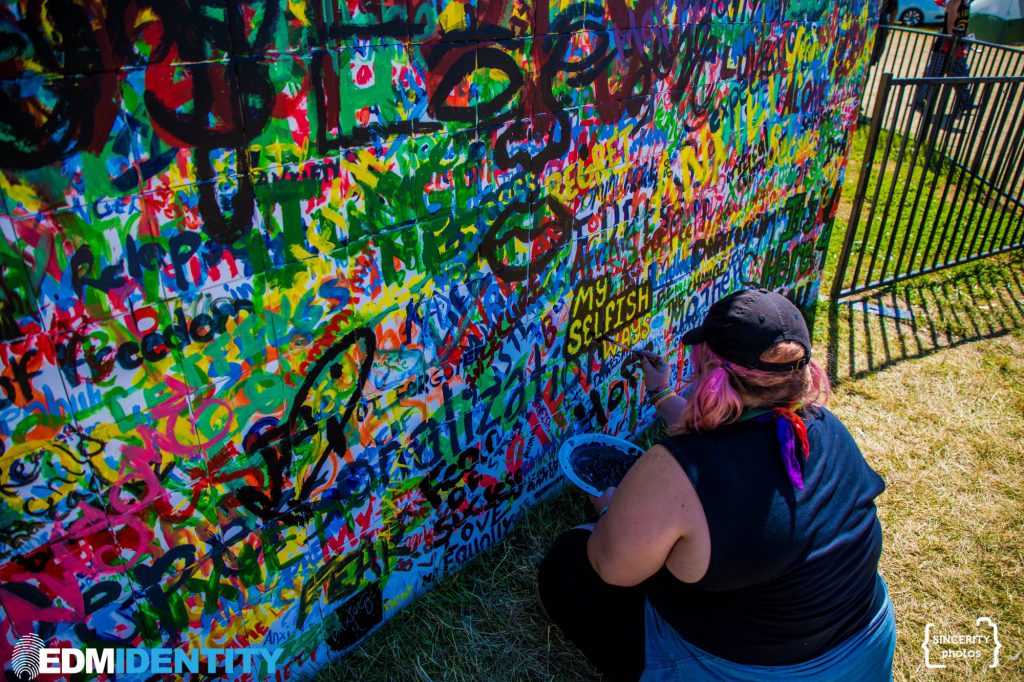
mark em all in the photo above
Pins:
pixel 656 375
pixel 603 501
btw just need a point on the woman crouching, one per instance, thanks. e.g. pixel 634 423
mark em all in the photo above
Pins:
pixel 745 546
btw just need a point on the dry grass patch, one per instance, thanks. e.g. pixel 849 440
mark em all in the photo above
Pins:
pixel 936 404
pixel 946 433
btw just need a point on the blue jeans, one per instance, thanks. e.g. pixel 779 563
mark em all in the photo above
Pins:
pixel 864 657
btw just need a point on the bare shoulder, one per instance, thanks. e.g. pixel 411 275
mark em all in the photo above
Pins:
pixel 654 464
pixel 651 511
pixel 658 484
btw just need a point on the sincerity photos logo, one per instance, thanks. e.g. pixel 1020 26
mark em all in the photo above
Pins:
pixel 31 659
pixel 981 645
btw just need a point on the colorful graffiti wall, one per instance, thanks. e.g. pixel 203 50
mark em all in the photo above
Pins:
pixel 300 298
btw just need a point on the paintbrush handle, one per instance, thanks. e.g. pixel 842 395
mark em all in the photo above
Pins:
pixel 653 357
pixel 616 343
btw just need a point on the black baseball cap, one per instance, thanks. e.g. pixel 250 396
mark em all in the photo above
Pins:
pixel 746 323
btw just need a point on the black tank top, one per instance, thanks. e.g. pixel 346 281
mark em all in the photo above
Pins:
pixel 793 572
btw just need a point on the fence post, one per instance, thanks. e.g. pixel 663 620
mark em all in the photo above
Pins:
pixel 881 97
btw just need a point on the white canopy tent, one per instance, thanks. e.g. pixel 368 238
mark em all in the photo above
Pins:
pixel 998 21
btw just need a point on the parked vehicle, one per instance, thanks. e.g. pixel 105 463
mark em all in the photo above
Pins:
pixel 918 12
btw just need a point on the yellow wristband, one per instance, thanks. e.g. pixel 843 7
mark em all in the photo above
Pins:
pixel 663 398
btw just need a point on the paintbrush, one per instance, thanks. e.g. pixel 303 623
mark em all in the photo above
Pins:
pixel 653 357
pixel 612 341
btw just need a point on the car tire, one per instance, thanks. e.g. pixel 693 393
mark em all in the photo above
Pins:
pixel 912 17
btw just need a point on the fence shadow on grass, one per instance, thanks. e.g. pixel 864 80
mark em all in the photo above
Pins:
pixel 915 318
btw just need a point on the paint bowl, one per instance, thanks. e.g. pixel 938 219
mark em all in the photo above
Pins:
pixel 596 462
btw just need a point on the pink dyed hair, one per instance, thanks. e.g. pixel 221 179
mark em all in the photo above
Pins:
pixel 721 390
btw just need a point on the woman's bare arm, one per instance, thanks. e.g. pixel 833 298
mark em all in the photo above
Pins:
pixel 671 409
pixel 952 7
pixel 652 509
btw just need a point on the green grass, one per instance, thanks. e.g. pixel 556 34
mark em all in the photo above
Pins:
pixel 481 623
pixel 953 216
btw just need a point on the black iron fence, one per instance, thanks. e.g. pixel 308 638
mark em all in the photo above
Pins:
pixel 906 52
pixel 940 182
